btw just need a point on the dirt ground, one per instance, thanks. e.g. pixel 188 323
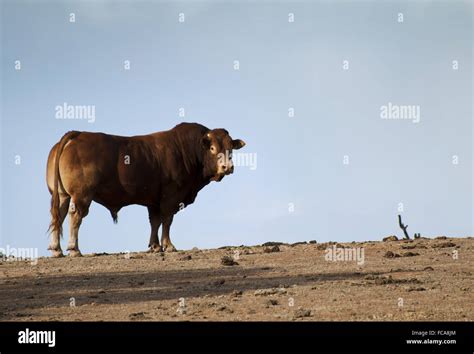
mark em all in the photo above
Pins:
pixel 423 279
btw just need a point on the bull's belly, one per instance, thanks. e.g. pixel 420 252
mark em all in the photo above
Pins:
pixel 170 200
pixel 119 199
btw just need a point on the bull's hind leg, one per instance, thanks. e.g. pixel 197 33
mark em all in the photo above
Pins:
pixel 78 210
pixel 165 237
pixel 155 222
pixel 55 244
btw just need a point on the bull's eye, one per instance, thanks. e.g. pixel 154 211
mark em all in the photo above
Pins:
pixel 213 149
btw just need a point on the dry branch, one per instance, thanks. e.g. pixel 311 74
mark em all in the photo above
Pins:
pixel 403 227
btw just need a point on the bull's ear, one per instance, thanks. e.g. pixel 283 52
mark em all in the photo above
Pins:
pixel 206 141
pixel 237 144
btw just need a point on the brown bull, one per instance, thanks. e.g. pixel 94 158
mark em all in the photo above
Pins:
pixel 163 171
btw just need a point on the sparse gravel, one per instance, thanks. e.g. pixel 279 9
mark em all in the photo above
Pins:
pixel 295 283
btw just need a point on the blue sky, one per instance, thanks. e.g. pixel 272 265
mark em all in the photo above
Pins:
pixel 282 65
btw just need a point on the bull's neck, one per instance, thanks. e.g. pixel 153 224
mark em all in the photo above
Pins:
pixel 192 158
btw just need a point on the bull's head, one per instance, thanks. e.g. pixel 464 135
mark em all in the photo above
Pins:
pixel 218 146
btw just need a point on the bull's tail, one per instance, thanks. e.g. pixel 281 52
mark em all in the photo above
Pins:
pixel 56 224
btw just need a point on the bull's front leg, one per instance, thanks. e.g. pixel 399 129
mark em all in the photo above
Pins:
pixel 155 222
pixel 165 237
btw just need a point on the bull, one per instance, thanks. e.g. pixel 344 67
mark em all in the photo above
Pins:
pixel 163 171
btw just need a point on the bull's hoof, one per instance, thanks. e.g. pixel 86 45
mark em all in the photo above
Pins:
pixel 75 253
pixel 155 248
pixel 57 253
pixel 169 248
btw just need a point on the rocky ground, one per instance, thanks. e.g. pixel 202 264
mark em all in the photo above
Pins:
pixel 423 279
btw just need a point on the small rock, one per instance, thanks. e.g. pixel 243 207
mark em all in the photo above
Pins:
pixel 410 254
pixel 228 261
pixel 271 244
pixel 415 289
pixel 99 254
pixel 271 249
pixel 413 246
pixel 313 242
pixel 186 258
pixel 390 254
pixel 218 282
pixel 137 315
pixel 301 313
pixel 224 308
pixel 383 281
pixel 271 302
pixel 236 293
pixel 135 256
pixel 390 280
pixel 371 277
pixel 428 268
pixel 444 245
pixel 299 243
pixel 390 238
pixel 325 245
pixel 272 291
pixel 441 238
pixel 19 314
